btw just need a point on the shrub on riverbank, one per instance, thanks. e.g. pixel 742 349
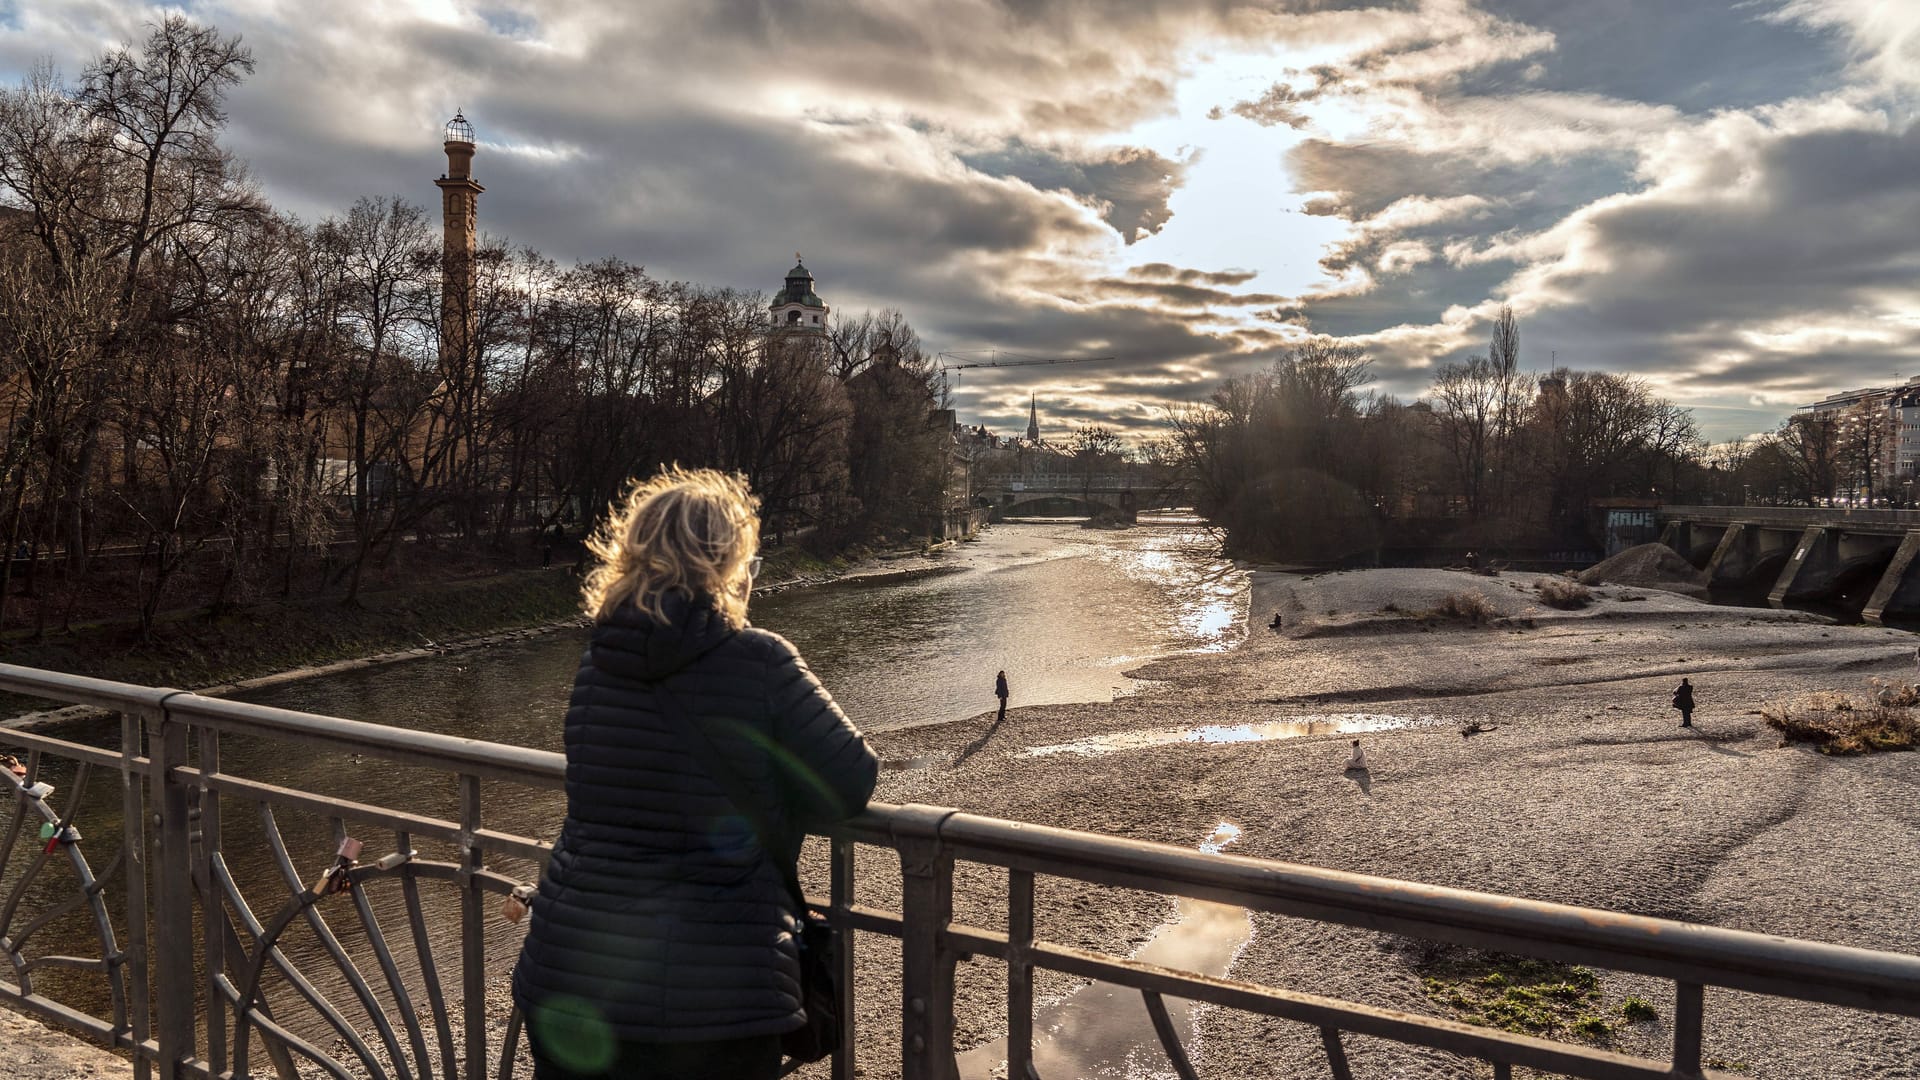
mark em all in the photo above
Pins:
pixel 1468 604
pixel 1563 593
pixel 1841 725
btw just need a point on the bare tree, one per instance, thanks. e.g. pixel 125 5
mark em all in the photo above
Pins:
pixel 1467 402
pixel 1809 446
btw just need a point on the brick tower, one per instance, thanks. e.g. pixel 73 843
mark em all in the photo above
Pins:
pixel 459 203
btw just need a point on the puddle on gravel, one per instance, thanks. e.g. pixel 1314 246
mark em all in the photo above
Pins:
pixel 1291 728
pixel 1102 1030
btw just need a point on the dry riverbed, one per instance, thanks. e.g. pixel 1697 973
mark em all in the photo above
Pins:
pixel 1587 793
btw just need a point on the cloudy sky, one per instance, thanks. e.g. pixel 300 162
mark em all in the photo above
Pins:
pixel 1722 196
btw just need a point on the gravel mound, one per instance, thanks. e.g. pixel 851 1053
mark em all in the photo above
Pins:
pixel 1649 566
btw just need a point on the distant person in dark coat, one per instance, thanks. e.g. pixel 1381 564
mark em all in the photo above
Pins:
pixel 1000 691
pixel 1683 700
pixel 662 938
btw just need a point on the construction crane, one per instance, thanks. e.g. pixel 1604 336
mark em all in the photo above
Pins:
pixel 950 361
pixel 1016 360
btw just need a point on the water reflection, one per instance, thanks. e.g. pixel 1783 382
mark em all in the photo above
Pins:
pixel 1063 610
pixel 1293 727
pixel 1104 1030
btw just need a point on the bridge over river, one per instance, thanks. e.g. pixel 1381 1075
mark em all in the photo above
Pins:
pixel 1044 494
pixel 1804 554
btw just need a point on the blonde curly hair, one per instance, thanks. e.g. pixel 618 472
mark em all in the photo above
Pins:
pixel 686 531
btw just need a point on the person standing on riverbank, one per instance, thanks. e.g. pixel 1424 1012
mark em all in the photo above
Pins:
pixel 1683 700
pixel 1000 691
pixel 663 935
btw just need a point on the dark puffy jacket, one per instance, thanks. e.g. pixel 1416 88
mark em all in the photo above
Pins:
pixel 660 918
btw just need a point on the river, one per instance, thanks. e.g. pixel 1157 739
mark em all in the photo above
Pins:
pixel 1064 610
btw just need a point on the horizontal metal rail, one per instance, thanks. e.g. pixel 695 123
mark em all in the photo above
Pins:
pixel 220 940
pixel 1839 517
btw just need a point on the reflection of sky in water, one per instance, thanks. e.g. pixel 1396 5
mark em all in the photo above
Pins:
pixel 1292 727
pixel 1223 834
pixel 1063 610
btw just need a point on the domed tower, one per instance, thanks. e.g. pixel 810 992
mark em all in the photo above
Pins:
pixel 796 309
pixel 459 203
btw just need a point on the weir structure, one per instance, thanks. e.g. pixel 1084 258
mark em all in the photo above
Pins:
pixel 1800 555
pixel 379 966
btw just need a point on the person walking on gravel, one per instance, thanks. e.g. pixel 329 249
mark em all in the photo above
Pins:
pixel 1000 691
pixel 1683 700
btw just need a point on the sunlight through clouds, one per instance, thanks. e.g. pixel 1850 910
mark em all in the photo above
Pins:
pixel 1651 186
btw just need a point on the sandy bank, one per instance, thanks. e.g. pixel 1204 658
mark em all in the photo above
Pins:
pixel 1588 793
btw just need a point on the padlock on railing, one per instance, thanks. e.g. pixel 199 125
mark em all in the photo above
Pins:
pixel 339 876
pixel 55 836
pixel 514 907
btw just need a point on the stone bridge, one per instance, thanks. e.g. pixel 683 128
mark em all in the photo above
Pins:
pixel 1017 494
pixel 1801 554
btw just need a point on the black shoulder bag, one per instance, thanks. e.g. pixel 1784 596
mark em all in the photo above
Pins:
pixel 819 943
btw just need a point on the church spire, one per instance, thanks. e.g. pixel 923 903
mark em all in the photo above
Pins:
pixel 1033 419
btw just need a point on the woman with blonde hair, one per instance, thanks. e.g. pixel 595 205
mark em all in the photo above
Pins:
pixel 662 940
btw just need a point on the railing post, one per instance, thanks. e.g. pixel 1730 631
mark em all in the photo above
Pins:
pixel 173 974
pixel 840 887
pixel 926 960
pixel 133 845
pixel 1689 1013
pixel 473 931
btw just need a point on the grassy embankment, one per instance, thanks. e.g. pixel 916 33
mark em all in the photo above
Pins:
pixel 189 649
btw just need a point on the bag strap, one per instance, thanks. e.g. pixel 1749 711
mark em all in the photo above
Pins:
pixel 742 797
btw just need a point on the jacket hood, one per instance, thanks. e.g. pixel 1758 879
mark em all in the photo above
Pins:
pixel 633 645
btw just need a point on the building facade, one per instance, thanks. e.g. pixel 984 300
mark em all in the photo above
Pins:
pixel 1875 437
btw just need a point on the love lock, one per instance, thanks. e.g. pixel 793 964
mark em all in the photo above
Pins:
pixel 339 876
pixel 514 907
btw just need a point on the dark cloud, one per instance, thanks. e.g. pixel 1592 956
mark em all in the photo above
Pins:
pixel 1364 178
pixel 1181 295
pixel 1130 186
pixel 1188 276
pixel 1698 57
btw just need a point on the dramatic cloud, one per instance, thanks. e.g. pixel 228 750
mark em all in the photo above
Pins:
pixel 1722 197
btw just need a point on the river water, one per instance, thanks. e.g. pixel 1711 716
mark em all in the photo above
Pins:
pixel 1064 610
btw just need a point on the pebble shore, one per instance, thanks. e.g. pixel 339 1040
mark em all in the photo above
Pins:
pixel 1587 793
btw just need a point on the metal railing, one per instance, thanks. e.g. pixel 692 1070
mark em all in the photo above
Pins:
pixel 206 984
pixel 1837 516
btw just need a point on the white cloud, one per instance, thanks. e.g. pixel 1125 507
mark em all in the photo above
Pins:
pixel 1884 34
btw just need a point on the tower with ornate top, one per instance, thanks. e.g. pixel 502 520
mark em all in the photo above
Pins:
pixel 459 204
pixel 796 309
pixel 1033 418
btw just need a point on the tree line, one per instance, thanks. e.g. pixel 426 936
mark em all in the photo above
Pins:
pixel 210 391
pixel 1302 461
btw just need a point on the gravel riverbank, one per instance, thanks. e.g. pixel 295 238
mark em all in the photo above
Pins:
pixel 1588 793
